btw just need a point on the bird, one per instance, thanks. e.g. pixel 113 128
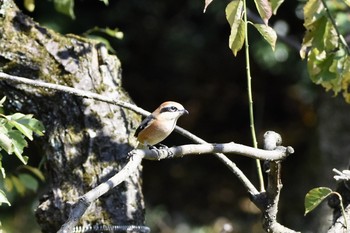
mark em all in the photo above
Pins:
pixel 159 124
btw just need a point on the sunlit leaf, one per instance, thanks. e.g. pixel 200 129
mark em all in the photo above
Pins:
pixel 346 79
pixel 313 10
pixel 268 33
pixel 264 9
pixel 2 170
pixel 23 129
pixel 5 141
pixel 18 185
pixel 314 36
pixel 314 197
pixel 65 7
pixel 26 124
pixel 116 33
pixel 234 12
pixel 275 4
pixel 32 124
pixel 18 145
pixel 207 2
pixel 106 2
pixel 331 40
pixel 3 198
pixel 8 185
pixel 236 42
pixel 347 2
pixel 29 5
pixel 2 101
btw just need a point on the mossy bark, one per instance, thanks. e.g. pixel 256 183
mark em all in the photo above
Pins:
pixel 86 141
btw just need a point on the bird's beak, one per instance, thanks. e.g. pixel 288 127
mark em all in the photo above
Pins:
pixel 185 111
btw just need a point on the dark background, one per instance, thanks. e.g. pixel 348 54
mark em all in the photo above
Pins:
pixel 172 51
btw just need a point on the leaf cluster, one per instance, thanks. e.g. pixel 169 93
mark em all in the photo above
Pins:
pixel 235 12
pixel 15 129
pixel 327 52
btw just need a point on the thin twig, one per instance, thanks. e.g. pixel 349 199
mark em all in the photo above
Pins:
pixel 72 91
pixel 250 96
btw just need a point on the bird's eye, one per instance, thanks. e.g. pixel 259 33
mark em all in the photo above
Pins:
pixel 173 108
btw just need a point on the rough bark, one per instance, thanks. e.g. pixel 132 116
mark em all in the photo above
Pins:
pixel 86 141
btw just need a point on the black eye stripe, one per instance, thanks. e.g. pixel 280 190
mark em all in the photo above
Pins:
pixel 169 109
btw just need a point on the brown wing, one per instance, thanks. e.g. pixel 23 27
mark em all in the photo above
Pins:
pixel 144 124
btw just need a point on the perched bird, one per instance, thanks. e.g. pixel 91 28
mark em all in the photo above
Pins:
pixel 157 126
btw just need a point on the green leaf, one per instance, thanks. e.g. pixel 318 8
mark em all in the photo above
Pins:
pixel 65 7
pixel 234 11
pixel 8 184
pixel 5 141
pixel 2 101
pixel 116 33
pixel 32 124
pixel 19 143
pixel 106 2
pixel 236 42
pixel 314 36
pixel 26 124
pixel 35 171
pixel 313 10
pixel 2 170
pixel 314 197
pixel 275 4
pixel 29 181
pixel 347 2
pixel 234 16
pixel 3 198
pixel 18 185
pixel 265 10
pixel 268 33
pixel 23 129
pixel 29 5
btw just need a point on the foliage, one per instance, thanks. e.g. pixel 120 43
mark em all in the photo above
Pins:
pixel 234 15
pixel 65 7
pixel 315 196
pixel 14 129
pixel 325 48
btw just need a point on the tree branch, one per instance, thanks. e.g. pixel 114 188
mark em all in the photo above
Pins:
pixel 278 153
pixel 73 91
pixel 268 201
pixel 137 155
pixel 84 202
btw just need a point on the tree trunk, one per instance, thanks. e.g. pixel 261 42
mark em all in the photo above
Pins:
pixel 86 141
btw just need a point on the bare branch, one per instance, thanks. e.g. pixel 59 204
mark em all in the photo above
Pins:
pixel 39 84
pixel 84 202
pixel 278 153
pixel 137 155
pixel 72 91
pixel 268 201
